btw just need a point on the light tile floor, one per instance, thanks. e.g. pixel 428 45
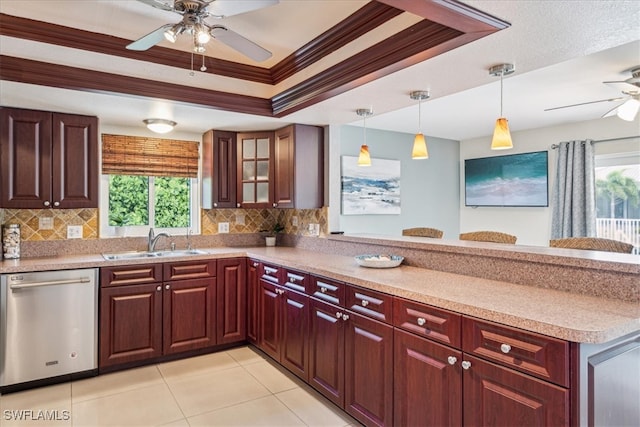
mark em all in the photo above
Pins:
pixel 237 387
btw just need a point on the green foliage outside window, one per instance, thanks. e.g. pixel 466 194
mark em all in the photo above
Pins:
pixel 129 201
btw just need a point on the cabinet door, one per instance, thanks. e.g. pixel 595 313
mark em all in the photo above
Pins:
pixel 74 166
pixel 284 168
pixel 427 386
pixel 270 315
pixel 295 333
pixel 253 298
pixel 255 170
pixel 130 323
pixel 25 156
pixel 219 174
pixel 231 323
pixel 494 395
pixel 368 355
pixel 189 315
pixel 326 351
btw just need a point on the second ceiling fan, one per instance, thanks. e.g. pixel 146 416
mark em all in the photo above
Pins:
pixel 194 14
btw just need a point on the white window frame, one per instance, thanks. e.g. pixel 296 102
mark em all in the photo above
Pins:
pixel 143 230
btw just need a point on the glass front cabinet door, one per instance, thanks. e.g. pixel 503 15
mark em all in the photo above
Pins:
pixel 255 167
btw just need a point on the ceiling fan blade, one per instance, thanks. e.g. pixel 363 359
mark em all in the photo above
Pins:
pixel 585 103
pixel 634 81
pixel 611 112
pixel 239 43
pixel 159 4
pixel 222 8
pixel 151 39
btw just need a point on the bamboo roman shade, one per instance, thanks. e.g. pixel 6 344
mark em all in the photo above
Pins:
pixel 135 155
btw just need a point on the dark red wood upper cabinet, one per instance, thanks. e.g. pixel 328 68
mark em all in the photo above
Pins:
pixel 48 160
pixel 231 323
pixel 219 174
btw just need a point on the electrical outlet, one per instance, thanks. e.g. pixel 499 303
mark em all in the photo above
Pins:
pixel 74 232
pixel 223 227
pixel 294 221
pixel 314 229
pixel 45 223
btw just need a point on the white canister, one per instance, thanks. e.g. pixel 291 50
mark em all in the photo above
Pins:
pixel 11 241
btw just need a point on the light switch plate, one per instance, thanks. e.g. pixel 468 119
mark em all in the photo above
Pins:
pixel 223 227
pixel 74 232
pixel 314 229
pixel 45 223
pixel 294 221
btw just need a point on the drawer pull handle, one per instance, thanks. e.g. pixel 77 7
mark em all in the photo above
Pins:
pixel 338 314
pixel 323 289
pixel 452 360
pixel 465 364
pixel 421 321
pixel 505 348
pixel 365 303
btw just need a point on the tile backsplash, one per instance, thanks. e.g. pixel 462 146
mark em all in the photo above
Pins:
pixel 240 221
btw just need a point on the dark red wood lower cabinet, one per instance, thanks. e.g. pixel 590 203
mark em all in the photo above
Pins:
pixel 368 355
pixel 498 396
pixel 130 323
pixel 294 353
pixel 253 301
pixel 427 382
pixel 231 310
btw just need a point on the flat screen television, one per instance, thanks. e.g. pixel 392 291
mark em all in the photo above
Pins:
pixel 511 180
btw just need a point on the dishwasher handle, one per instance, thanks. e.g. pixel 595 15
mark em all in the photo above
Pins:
pixel 29 285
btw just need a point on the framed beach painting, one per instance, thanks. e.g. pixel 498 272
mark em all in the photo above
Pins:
pixel 372 190
pixel 511 180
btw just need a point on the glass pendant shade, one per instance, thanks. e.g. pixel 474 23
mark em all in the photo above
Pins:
pixel 364 159
pixel 419 147
pixel 628 110
pixel 501 135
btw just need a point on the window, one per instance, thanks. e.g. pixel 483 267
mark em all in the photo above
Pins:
pixel 148 182
pixel 618 197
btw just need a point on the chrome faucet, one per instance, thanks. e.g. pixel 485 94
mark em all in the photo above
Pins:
pixel 153 239
pixel 189 239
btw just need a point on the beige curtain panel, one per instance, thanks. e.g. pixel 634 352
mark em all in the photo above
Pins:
pixel 135 155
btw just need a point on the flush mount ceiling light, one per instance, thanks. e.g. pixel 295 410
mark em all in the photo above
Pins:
pixel 419 143
pixel 159 125
pixel 364 159
pixel 501 135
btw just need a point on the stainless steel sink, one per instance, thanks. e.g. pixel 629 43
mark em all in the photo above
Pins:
pixel 156 254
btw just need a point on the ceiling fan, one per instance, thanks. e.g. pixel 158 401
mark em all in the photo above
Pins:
pixel 626 110
pixel 194 14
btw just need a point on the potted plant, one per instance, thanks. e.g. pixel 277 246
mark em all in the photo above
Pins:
pixel 271 232
pixel 118 221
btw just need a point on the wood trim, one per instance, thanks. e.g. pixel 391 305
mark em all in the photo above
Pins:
pixel 61 76
pixel 366 19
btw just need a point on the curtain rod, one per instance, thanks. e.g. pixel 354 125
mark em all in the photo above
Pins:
pixel 554 146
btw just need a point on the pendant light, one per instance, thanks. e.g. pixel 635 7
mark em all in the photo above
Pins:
pixel 419 143
pixel 501 135
pixel 364 159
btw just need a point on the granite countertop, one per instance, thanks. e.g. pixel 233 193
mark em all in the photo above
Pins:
pixel 564 315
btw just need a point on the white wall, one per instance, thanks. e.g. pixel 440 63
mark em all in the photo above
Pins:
pixel 429 189
pixel 532 226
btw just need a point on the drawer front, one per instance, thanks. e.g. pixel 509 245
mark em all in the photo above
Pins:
pixel 534 354
pixel 296 280
pixel 370 303
pixel 190 269
pixel 271 273
pixel 328 290
pixel 130 275
pixel 430 322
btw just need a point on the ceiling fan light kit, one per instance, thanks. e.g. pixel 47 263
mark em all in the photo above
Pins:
pixel 501 136
pixel 159 125
pixel 629 109
pixel 364 158
pixel 419 150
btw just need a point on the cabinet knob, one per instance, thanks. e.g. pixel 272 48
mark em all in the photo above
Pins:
pixel 215 205
pixel 159 288
pixel 292 279
pixel 345 317
pixel 452 360
pixel 505 348
pixel 56 203
pixel 365 303
pixel 167 287
pixel 238 204
pixel 255 264
pixel 421 321
pixel 275 205
pixel 338 314
pixel 323 289
pixel 280 291
pixel 465 364
pixel 46 203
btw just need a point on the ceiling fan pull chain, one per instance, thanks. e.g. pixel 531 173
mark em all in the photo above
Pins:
pixel 191 73
pixel 203 68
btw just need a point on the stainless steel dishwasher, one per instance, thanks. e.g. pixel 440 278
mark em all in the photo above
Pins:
pixel 48 325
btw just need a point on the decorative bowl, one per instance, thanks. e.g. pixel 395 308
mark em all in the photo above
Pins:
pixel 379 261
